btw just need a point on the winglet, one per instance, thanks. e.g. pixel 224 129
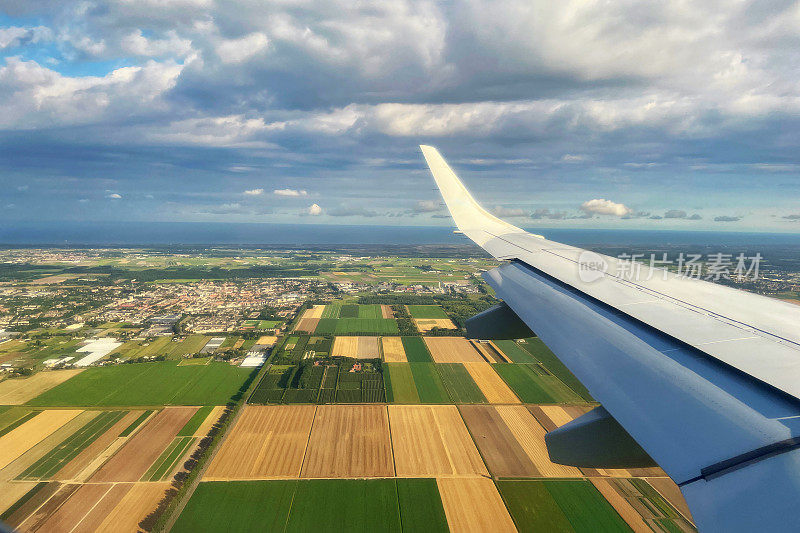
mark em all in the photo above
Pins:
pixel 472 219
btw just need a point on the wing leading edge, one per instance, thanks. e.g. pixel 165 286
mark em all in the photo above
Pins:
pixel 705 378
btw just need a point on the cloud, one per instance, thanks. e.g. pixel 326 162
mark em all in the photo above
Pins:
pixel 289 192
pixel 114 196
pixel 14 36
pixel 254 192
pixel 539 214
pixel 313 210
pixel 22 188
pixel 349 211
pixel 243 48
pixel 426 206
pixel 655 217
pixel 601 206
pixel 725 218
pixel 695 216
pixel 509 212
pixel 675 213
pixel 792 217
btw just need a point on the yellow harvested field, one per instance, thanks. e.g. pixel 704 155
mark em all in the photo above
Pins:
pixel 11 492
pixel 491 384
pixel 357 347
pixel 349 441
pixel 393 351
pixel 345 347
pixel 139 502
pixel 19 391
pixel 23 438
pixel 621 505
pixel 530 435
pixel 427 324
pixel 452 350
pixel 238 344
pixel 314 312
pixel 210 420
pixel 267 442
pixel 386 311
pixel 267 340
pixel 46 445
pixel 432 441
pixel 473 504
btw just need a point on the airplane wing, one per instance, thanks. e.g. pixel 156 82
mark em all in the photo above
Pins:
pixel 705 378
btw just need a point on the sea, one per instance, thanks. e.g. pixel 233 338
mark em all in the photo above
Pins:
pixel 134 234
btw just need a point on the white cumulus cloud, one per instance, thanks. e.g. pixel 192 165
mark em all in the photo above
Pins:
pixel 254 192
pixel 314 210
pixel 601 206
pixel 289 192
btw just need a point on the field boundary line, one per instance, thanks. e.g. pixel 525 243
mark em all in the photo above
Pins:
pixel 391 442
pixel 475 442
pixel 101 498
pixel 305 448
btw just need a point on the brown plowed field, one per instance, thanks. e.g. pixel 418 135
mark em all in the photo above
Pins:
pixel 75 508
pixel 530 435
pixel 368 348
pixel 88 454
pixel 19 391
pixel 432 441
pixel 307 324
pixel 40 515
pixel 43 495
pixel 452 350
pixel 266 442
pixel 491 384
pixel 10 493
pixel 386 311
pixel 133 459
pixel 504 456
pixel 393 351
pixel 473 504
pixel 136 504
pixel 23 438
pixel 349 441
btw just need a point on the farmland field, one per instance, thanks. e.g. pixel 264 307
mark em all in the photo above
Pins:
pixel 420 505
pixel 20 390
pixel 432 441
pixel 357 326
pixel 533 385
pixel 430 387
pixel 492 385
pixel 266 442
pixel 452 350
pixel 349 441
pixel 559 505
pixel 399 381
pixel 393 351
pixel 542 353
pixel 459 384
pixel 304 505
pixel 473 504
pixel 416 351
pixel 426 311
pixel 159 383
pixel 513 351
pixel 22 438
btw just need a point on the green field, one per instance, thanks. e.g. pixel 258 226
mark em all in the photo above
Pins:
pixel 533 384
pixel 430 386
pixel 459 383
pixel 160 383
pixel 299 505
pixel 513 351
pixel 198 418
pixel 559 505
pixel 14 416
pixel 399 381
pixel 542 353
pixel 421 506
pixel 168 460
pixel 416 351
pixel 426 311
pixel 67 450
pixel 357 326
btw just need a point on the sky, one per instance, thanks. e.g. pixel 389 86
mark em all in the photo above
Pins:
pixel 640 115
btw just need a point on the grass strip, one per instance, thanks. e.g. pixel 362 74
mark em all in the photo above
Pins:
pixel 128 430
pixel 199 417
pixel 17 423
pixel 72 446
pixel 172 459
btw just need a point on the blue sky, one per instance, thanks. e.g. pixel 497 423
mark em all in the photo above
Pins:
pixel 566 114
